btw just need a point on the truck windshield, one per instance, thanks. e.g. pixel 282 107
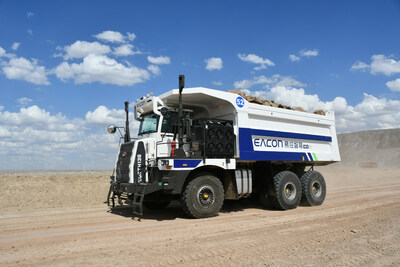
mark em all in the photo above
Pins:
pixel 149 123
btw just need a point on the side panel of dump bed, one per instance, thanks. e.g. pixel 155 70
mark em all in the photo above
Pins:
pixel 275 134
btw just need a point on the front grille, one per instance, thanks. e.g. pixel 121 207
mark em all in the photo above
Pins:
pixel 124 160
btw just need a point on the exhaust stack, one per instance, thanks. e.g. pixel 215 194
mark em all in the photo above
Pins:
pixel 127 137
pixel 180 125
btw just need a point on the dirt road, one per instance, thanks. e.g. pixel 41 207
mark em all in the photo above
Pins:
pixel 357 225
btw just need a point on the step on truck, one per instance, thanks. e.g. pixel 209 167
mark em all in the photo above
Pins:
pixel 202 146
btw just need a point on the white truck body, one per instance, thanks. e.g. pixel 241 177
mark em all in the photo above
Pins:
pixel 264 132
pixel 205 145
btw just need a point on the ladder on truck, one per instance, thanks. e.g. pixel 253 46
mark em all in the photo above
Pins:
pixel 138 197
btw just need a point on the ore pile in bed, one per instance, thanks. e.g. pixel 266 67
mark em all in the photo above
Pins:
pixel 272 103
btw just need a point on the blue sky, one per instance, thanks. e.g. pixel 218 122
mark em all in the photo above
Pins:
pixel 66 67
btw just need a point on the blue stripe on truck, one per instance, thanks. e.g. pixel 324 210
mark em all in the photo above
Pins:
pixel 247 152
pixel 186 163
pixel 249 132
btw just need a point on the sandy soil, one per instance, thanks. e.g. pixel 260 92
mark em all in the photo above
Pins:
pixel 59 219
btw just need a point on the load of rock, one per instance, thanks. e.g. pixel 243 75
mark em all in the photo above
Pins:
pixel 272 103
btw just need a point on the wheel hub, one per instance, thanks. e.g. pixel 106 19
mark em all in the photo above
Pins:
pixel 206 195
pixel 316 189
pixel 289 191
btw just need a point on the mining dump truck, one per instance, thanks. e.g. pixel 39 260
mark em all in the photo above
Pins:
pixel 202 146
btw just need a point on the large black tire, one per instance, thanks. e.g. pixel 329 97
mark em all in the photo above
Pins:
pixel 156 205
pixel 287 191
pixel 314 188
pixel 203 196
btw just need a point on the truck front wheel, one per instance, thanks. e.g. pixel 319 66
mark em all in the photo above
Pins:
pixel 314 188
pixel 287 190
pixel 203 196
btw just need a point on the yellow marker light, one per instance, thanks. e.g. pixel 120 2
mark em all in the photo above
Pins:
pixel 303 158
pixel 184 165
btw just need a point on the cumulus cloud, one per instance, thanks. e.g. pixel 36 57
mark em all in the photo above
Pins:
pixel 124 50
pixel 27 70
pixel 115 37
pixel 385 65
pixel 100 68
pixel 104 116
pixel 218 83
pixel 15 46
pixel 3 53
pixel 294 58
pixel 371 113
pixel 213 63
pixel 159 60
pixel 275 80
pixel 29 14
pixel 81 49
pixel 394 85
pixel 380 64
pixel 359 65
pixel 24 101
pixel 252 58
pixel 42 140
pixel 154 69
pixel 309 53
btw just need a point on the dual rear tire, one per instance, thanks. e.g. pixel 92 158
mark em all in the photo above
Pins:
pixel 289 190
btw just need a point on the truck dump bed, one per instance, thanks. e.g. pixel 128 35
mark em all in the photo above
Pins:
pixel 264 132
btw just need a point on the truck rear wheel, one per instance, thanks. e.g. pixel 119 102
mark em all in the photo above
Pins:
pixel 314 188
pixel 203 196
pixel 287 191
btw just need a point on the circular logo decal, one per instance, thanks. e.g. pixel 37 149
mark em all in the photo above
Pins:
pixel 240 101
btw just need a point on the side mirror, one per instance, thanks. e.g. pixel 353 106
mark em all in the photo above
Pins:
pixel 112 129
pixel 165 112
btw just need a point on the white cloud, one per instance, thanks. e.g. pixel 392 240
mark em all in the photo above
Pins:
pixel 294 58
pixel 218 83
pixel 371 113
pixel 309 53
pixel 1 108
pixel 100 68
pixel 275 80
pixel 15 46
pixel 2 51
pixel 24 101
pixel 104 116
pixel 154 69
pixel 81 49
pixel 29 14
pixel 213 63
pixel 385 65
pixel 130 36
pixel 24 69
pixel 379 64
pixel 124 50
pixel 252 58
pixel 30 32
pixel 359 65
pixel 46 141
pixel 394 85
pixel 115 37
pixel 159 60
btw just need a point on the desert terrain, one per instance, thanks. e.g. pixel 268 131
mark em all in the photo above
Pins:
pixel 60 219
